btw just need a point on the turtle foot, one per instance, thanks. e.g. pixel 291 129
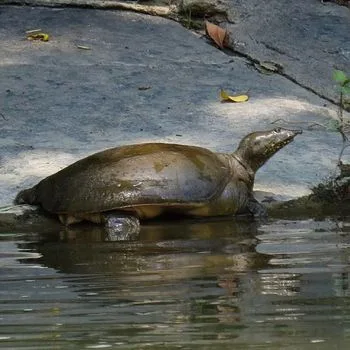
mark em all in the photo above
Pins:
pixel 121 227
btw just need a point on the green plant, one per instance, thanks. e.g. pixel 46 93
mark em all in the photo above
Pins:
pixel 344 90
pixel 331 190
pixel 337 188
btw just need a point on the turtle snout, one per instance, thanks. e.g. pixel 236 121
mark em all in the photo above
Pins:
pixel 292 133
pixel 287 136
pixel 287 132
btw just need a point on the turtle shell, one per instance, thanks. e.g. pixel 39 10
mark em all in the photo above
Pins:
pixel 131 176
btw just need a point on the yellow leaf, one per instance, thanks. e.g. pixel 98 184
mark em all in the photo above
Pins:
pixel 233 98
pixel 38 36
pixel 224 95
pixel 239 98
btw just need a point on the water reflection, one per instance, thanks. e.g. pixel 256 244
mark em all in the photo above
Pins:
pixel 173 249
pixel 191 285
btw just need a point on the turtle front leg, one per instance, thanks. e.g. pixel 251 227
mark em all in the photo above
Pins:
pixel 256 208
pixel 121 227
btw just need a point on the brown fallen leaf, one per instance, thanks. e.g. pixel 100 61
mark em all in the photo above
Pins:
pixel 217 34
pixel 144 87
pixel 225 97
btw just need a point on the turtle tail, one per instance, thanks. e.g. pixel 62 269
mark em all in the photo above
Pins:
pixel 26 197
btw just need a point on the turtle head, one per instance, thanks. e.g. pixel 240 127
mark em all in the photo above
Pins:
pixel 256 148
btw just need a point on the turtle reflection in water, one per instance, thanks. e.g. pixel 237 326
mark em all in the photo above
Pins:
pixel 120 186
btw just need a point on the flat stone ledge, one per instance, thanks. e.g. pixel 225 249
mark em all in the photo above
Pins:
pixel 25 218
pixel 170 9
pixel 86 101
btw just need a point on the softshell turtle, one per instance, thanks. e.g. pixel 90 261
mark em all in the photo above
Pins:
pixel 121 185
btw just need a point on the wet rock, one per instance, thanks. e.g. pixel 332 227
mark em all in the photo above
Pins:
pixel 24 218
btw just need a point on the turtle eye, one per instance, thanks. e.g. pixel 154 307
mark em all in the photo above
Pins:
pixel 277 130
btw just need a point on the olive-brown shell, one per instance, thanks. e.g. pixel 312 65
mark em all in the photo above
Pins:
pixel 131 176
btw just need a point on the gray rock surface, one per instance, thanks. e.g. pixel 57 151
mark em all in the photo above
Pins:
pixel 144 79
pixel 309 38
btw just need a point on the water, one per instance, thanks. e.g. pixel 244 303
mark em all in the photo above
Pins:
pixel 219 285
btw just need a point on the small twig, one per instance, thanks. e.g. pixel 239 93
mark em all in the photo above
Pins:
pixel 279 120
pixel 189 19
pixel 83 47
pixel 340 109
pixel 289 122
pixel 317 124
pixel 341 127
pixel 33 31
pixel 345 145
pixel 3 117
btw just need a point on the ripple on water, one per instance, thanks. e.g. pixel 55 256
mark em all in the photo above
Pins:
pixel 284 285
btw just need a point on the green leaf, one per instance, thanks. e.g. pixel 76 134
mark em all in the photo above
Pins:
pixel 340 77
pixel 333 125
pixel 345 90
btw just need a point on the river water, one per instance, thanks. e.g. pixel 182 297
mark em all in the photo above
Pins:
pixel 229 284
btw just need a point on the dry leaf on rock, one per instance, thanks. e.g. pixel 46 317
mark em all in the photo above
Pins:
pixel 225 97
pixel 38 36
pixel 83 47
pixel 217 34
pixel 144 87
pixel 269 67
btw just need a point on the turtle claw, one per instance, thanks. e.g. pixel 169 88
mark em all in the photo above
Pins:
pixel 121 227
